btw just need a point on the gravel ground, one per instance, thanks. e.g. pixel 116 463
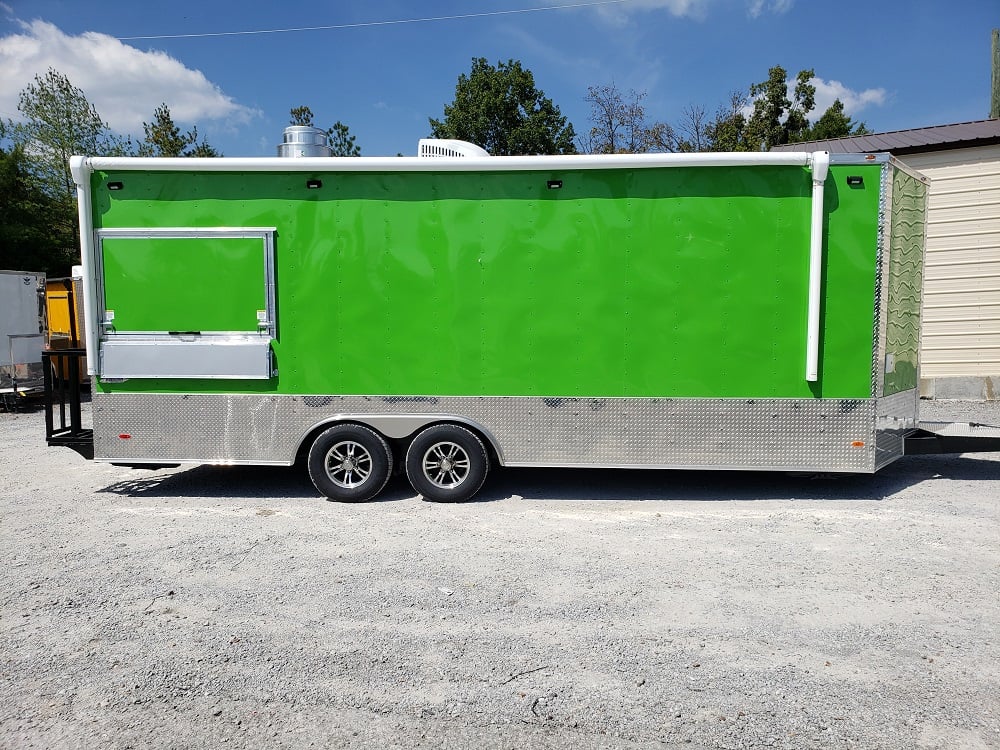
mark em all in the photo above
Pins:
pixel 231 607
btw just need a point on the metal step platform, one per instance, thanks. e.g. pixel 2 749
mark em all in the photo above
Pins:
pixel 63 419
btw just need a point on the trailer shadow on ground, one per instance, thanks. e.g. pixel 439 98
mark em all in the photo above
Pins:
pixel 666 485
pixel 582 484
pixel 217 482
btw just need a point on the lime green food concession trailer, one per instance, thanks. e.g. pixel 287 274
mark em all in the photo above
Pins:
pixel 442 315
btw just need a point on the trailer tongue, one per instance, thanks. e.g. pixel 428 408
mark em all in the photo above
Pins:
pixel 952 437
pixel 443 315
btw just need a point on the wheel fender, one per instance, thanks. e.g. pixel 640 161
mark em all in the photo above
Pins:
pixel 401 426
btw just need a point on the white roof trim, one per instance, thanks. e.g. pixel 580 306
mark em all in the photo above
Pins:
pixel 440 164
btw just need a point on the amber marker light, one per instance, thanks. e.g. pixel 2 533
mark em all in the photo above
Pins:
pixel 858 444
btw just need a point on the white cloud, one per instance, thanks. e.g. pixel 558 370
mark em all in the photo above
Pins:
pixel 756 8
pixel 854 101
pixel 619 14
pixel 125 84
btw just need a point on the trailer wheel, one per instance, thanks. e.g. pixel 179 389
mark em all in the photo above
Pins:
pixel 349 462
pixel 447 464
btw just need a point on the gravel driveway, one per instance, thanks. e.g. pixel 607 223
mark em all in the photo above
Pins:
pixel 216 607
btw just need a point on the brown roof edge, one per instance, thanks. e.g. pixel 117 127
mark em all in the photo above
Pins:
pixel 915 140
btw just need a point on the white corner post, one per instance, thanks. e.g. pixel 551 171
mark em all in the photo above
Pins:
pixel 81 170
pixel 820 162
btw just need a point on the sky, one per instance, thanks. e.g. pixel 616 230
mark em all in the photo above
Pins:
pixel 384 67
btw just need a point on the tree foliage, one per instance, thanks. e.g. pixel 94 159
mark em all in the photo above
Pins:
pixel 727 131
pixel 202 149
pixel 834 123
pixel 765 116
pixel 620 125
pixel 501 109
pixel 776 119
pixel 60 122
pixel 37 229
pixel 164 138
pixel 37 192
pixel 301 116
pixel 341 141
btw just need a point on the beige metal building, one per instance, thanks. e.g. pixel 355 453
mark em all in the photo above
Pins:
pixel 960 346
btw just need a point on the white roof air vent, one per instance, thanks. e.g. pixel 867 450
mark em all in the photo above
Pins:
pixel 448 147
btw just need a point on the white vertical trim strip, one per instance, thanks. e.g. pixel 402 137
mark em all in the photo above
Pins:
pixel 820 169
pixel 81 170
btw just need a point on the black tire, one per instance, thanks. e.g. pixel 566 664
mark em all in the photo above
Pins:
pixel 350 463
pixel 447 464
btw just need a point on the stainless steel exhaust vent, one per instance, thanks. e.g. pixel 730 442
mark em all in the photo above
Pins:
pixel 304 140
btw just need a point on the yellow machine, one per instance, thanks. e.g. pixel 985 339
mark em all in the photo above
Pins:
pixel 64 309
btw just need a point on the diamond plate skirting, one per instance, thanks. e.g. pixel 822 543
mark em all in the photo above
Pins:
pixel 896 415
pixel 779 434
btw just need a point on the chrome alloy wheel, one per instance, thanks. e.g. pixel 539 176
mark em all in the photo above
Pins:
pixel 446 465
pixel 348 464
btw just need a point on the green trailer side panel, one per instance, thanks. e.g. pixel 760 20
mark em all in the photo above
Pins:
pixel 202 284
pixel 673 282
pixel 906 256
pixel 851 240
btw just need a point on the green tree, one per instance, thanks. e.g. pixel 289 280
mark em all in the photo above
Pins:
pixel 834 123
pixel 301 116
pixel 803 102
pixel 164 138
pixel 501 109
pixel 60 122
pixel 728 130
pixel 203 149
pixel 770 102
pixel 341 141
pixel 620 125
pixel 776 119
pixel 764 117
pixel 35 232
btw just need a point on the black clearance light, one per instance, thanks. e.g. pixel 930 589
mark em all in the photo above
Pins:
pixel 314 184
pixel 554 184
pixel 115 186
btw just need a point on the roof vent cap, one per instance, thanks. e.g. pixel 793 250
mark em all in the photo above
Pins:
pixel 304 140
pixel 436 147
